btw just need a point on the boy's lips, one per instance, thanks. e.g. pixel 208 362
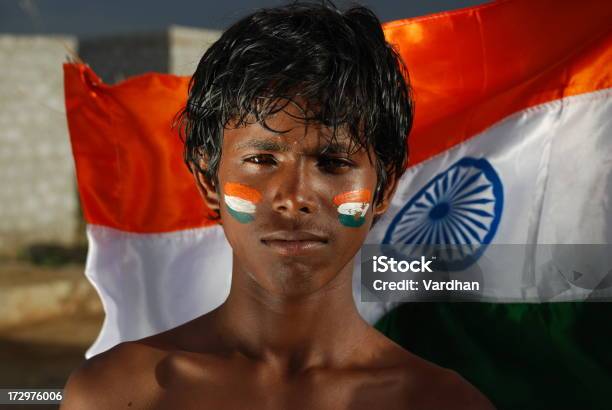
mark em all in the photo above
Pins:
pixel 294 242
pixel 294 236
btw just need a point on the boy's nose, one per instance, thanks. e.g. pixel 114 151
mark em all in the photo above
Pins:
pixel 293 195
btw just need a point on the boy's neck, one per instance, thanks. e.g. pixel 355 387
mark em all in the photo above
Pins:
pixel 298 332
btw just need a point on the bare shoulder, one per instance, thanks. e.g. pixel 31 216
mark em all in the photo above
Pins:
pixel 441 388
pixel 122 377
pixel 429 386
pixel 445 388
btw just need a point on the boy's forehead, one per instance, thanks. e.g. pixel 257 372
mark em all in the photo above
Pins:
pixel 283 133
pixel 282 143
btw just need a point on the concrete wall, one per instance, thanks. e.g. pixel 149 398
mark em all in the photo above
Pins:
pixel 176 50
pixel 187 45
pixel 38 198
pixel 38 202
pixel 115 58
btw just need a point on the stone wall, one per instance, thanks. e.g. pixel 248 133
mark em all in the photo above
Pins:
pixel 187 45
pixel 176 50
pixel 38 198
pixel 115 58
pixel 38 202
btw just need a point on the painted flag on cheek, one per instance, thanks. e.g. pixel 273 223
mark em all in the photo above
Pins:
pixel 241 200
pixel 352 207
pixel 511 145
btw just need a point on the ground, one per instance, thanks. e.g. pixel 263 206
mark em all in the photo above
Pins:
pixel 41 353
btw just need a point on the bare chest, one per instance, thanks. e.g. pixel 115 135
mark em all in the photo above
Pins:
pixel 272 397
pixel 243 387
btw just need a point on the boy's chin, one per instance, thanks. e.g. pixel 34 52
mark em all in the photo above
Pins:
pixel 291 282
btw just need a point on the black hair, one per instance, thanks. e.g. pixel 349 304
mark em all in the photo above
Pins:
pixel 337 64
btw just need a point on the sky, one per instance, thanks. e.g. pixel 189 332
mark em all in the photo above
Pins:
pixel 88 18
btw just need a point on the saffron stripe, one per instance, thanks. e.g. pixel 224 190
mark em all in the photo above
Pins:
pixel 361 195
pixel 129 160
pixel 242 191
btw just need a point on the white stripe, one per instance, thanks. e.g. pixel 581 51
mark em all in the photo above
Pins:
pixel 353 208
pixel 555 163
pixel 240 205
pixel 149 283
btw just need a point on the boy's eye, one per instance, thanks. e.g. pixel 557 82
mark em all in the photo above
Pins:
pixel 334 164
pixel 261 159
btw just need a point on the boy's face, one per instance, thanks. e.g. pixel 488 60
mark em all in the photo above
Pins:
pixel 294 215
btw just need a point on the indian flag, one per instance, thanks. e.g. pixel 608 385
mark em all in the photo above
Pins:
pixel 511 153
pixel 240 200
pixel 352 207
pixel 512 144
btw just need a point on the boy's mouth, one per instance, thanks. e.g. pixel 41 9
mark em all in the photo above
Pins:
pixel 294 242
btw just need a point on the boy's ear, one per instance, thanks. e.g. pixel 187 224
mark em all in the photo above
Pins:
pixel 206 187
pixel 381 207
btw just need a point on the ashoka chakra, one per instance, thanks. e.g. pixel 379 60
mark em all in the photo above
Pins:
pixel 459 208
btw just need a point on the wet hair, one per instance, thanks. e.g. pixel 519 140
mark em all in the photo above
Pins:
pixel 335 66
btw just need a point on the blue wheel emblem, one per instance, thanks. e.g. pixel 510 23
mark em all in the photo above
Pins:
pixel 460 206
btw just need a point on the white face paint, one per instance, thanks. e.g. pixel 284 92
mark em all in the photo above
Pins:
pixel 353 208
pixel 239 204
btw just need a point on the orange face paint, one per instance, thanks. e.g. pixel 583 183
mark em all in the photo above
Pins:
pixel 359 195
pixel 242 191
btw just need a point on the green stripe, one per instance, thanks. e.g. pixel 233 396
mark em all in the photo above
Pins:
pixel 352 221
pixel 522 356
pixel 242 217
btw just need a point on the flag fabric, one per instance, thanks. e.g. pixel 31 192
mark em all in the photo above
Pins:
pixel 514 131
pixel 155 257
pixel 512 144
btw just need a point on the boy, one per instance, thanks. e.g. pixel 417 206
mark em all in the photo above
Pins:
pixel 295 131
